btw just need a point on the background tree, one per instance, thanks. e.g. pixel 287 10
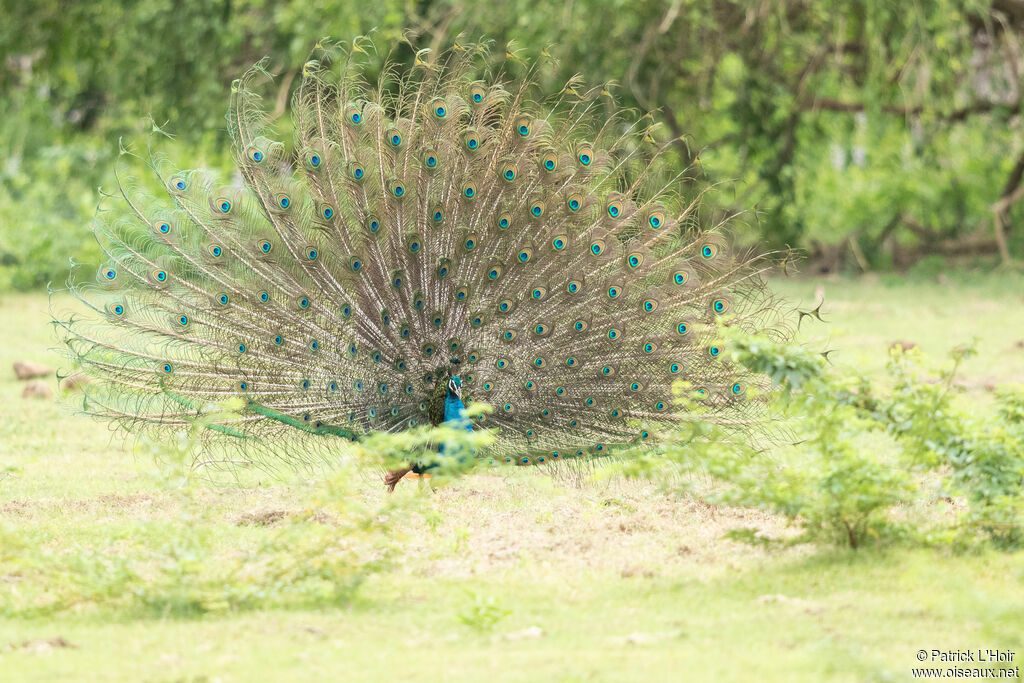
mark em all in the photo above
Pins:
pixel 870 133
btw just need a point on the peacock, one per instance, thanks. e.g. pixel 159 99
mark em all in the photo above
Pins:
pixel 439 235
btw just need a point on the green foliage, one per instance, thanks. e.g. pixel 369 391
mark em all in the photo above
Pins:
pixel 828 474
pixel 982 454
pixel 887 124
pixel 483 613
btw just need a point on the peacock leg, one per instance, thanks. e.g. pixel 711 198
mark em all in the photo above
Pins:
pixel 392 478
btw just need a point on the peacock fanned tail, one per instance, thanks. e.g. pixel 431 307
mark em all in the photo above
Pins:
pixel 435 223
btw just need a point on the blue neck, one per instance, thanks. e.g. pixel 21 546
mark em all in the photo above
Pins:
pixel 455 411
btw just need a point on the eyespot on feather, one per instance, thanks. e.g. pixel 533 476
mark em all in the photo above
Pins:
pixel 549 161
pixel 585 155
pixel 523 126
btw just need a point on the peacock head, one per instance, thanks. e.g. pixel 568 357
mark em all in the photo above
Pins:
pixel 455 386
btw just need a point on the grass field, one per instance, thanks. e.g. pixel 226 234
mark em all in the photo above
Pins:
pixel 522 575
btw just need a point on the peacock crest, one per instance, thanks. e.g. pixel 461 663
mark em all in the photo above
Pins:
pixel 442 222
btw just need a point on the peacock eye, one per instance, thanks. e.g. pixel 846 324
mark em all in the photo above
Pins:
pixel 327 212
pixel 708 251
pixel 523 126
pixel 256 155
pixel 225 206
pixel 469 191
pixel 597 247
pixel 314 160
pixel 585 156
pixel 510 172
pixel 284 201
pixel 549 161
pixel 164 228
pixel 537 209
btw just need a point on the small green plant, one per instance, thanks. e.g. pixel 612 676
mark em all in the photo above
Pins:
pixel 483 613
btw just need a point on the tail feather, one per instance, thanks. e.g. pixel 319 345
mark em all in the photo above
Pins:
pixel 438 213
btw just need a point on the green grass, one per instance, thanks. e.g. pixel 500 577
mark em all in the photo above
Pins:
pixel 520 575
